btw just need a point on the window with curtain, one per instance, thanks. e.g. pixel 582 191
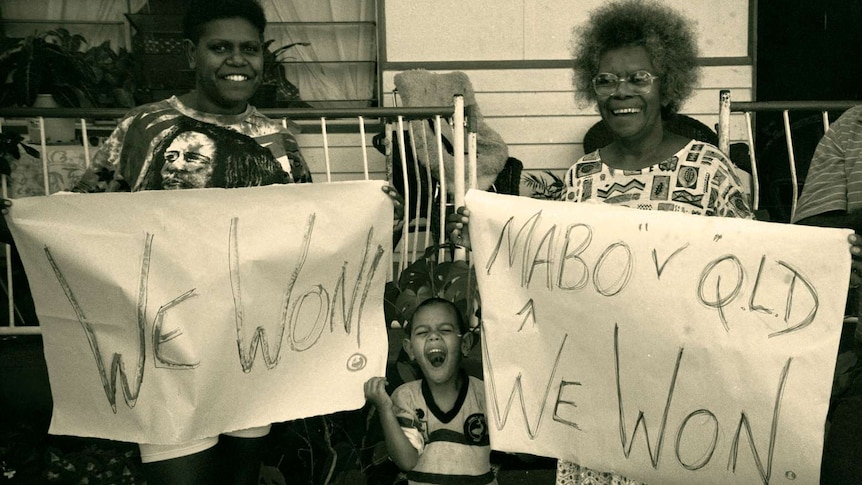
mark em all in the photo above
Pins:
pixel 332 64
pixel 96 20
pixel 338 66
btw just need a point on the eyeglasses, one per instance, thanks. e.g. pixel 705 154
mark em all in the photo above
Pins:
pixel 640 82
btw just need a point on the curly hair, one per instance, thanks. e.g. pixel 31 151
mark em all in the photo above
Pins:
pixel 668 37
pixel 200 12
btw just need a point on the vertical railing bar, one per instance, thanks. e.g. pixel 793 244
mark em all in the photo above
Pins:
pixel 326 149
pixel 427 165
pixel 472 163
pixel 390 169
pixel 755 179
pixel 438 128
pixel 825 116
pixel 458 149
pixel 419 191
pixel 364 147
pixel 44 146
pixel 788 137
pixel 724 121
pixel 405 234
pixel 86 141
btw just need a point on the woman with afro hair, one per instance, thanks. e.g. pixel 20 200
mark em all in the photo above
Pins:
pixel 637 61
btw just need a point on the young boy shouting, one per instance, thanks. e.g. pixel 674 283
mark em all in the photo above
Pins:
pixel 435 427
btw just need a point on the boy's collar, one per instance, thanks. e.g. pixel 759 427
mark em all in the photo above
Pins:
pixel 459 402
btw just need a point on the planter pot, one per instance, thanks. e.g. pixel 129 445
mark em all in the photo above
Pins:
pixel 265 97
pixel 57 130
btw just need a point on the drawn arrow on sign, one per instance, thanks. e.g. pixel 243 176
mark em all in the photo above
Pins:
pixel 529 314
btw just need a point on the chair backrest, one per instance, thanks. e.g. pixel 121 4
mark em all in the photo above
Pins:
pixel 599 135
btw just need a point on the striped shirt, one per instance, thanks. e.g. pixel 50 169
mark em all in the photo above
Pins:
pixel 834 181
pixel 454 447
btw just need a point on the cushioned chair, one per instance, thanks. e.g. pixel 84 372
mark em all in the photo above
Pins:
pixel 599 135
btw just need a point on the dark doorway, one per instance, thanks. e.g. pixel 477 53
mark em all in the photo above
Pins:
pixel 806 51
pixel 809 50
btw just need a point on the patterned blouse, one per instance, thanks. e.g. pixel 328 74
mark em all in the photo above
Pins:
pixel 698 179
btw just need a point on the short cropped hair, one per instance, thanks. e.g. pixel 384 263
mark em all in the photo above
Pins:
pixel 201 12
pixel 668 37
pixel 462 322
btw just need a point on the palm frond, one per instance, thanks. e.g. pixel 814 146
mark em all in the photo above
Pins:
pixel 543 188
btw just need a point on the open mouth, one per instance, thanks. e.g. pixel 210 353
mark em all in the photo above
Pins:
pixel 436 356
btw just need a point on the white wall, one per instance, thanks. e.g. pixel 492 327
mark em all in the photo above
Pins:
pixel 534 109
pixel 445 30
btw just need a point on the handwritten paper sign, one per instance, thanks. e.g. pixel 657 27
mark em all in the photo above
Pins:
pixel 669 348
pixel 174 315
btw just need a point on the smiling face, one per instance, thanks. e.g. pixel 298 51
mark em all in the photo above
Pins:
pixel 436 343
pixel 631 116
pixel 188 161
pixel 228 64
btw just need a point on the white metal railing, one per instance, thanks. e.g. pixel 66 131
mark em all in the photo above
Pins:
pixel 393 119
pixel 748 110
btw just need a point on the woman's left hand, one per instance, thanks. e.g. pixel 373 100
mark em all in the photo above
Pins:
pixel 855 241
pixel 398 203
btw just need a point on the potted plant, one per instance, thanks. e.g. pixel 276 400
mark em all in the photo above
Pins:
pixel 11 145
pixel 275 87
pixel 428 277
pixel 542 188
pixel 59 63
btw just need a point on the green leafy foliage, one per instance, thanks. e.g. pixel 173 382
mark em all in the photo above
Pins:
pixel 11 145
pixel 275 86
pixel 542 188
pixel 427 277
pixel 59 63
